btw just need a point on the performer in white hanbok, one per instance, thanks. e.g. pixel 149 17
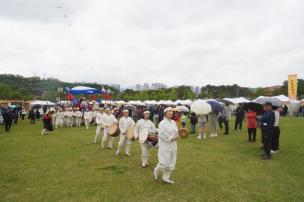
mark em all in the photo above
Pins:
pixel 107 120
pixel 168 135
pixel 87 118
pixel 70 117
pixel 59 119
pixel 124 123
pixel 78 116
pixel 95 112
pixel 100 126
pixel 145 123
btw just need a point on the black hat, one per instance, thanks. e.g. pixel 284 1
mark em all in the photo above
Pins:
pixel 268 104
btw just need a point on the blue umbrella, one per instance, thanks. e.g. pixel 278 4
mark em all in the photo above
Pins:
pixel 216 106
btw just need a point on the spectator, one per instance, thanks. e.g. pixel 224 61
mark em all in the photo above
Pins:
pixel 251 122
pixel 8 119
pixel 193 122
pixel 32 116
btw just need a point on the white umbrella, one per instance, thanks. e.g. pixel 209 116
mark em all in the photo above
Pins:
pixel 200 107
pixel 182 109
pixel 274 101
pixel 120 102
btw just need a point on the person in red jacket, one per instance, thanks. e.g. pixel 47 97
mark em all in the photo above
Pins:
pixel 47 123
pixel 251 122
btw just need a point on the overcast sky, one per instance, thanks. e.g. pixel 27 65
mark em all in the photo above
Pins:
pixel 194 42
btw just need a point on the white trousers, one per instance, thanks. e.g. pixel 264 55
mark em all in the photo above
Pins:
pixel 98 132
pixel 145 153
pixel 87 123
pixel 78 121
pixel 58 123
pixel 107 138
pixel 123 141
pixel 166 162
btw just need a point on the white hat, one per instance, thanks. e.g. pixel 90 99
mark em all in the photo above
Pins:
pixel 168 109
pixel 125 110
pixel 146 112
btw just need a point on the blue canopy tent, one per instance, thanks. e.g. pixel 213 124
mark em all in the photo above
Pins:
pixel 83 90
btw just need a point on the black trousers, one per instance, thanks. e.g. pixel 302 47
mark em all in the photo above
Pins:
pixel 238 123
pixel 8 125
pixel 251 134
pixel 267 137
pixel 226 122
pixel 275 138
pixel 220 121
pixel 32 121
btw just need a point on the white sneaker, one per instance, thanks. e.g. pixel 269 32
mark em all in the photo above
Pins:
pixel 212 135
pixel 215 134
pixel 168 181
pixel 117 153
pixel 199 137
pixel 128 155
pixel 204 136
pixel 273 152
pixel 155 173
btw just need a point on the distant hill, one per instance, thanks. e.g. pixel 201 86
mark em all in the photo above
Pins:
pixel 34 87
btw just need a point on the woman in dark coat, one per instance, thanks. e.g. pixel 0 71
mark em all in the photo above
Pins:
pixel 47 123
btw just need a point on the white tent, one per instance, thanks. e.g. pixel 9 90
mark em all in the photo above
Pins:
pixel 120 102
pixel 42 103
pixel 108 102
pixel 166 102
pixel 183 102
pixel 133 102
pixel 150 102
pixel 237 100
pixel 282 98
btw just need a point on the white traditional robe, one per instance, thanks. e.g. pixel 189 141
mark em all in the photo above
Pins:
pixel 124 124
pixel 107 121
pixel 78 115
pixel 87 118
pixel 70 117
pixel 140 125
pixel 59 119
pixel 167 151
pixel 100 126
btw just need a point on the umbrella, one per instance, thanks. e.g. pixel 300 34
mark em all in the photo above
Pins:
pixel 274 101
pixel 182 109
pixel 258 108
pixel 200 107
pixel 225 101
pixel 216 106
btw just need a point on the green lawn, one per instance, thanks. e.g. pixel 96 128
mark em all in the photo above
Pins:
pixel 66 166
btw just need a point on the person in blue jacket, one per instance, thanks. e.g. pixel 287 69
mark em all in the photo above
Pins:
pixel 267 124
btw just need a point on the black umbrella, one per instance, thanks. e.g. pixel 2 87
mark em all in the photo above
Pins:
pixel 216 106
pixel 224 101
pixel 258 108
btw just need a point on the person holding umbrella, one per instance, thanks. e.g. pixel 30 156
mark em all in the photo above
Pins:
pixel 226 117
pixel 201 108
pixel 251 122
pixel 267 124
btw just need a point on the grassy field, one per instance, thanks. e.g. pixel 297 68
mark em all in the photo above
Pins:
pixel 66 166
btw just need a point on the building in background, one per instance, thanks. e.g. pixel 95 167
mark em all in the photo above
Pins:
pixel 116 86
pixel 138 87
pixel 197 90
pixel 156 86
pixel 146 86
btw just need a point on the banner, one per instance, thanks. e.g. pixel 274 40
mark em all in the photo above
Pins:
pixel 292 86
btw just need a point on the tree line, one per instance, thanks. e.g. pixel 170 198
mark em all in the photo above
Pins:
pixel 28 88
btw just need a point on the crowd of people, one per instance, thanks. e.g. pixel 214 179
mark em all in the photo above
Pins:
pixel 162 121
